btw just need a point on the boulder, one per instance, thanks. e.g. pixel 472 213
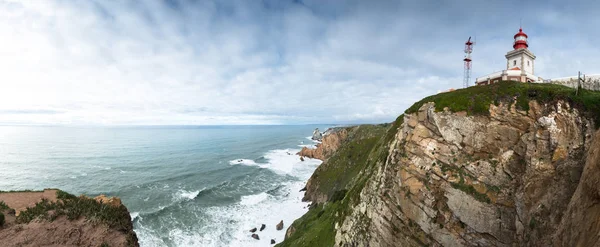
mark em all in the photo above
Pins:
pixel 262 227
pixel 272 241
pixel 301 158
pixel 279 226
pixel 253 229
pixel 112 201
pixel 317 136
pixel 255 236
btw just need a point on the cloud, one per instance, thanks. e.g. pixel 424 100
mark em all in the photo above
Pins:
pixel 262 62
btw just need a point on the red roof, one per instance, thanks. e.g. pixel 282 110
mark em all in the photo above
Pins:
pixel 520 33
pixel 515 68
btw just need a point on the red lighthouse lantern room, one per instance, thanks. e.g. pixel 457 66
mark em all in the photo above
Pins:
pixel 520 40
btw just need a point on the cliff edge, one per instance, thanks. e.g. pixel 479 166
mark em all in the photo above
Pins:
pixel 55 218
pixel 507 164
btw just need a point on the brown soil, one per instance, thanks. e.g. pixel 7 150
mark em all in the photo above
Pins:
pixel 22 200
pixel 59 232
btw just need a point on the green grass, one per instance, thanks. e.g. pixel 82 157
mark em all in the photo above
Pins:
pixel 344 180
pixel 476 100
pixel 3 206
pixel 343 166
pixel 74 208
pixel 469 189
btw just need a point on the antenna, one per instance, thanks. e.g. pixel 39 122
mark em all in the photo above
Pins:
pixel 467 73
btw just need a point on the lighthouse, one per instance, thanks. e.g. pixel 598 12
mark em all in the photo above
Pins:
pixel 519 64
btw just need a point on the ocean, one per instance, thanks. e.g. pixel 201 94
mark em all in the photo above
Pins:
pixel 184 186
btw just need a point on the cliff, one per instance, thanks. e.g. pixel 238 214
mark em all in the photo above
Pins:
pixel 508 164
pixel 56 218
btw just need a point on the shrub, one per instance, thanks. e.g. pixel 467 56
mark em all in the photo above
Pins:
pixel 1 219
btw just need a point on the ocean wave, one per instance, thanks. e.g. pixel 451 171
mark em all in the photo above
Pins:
pixel 246 162
pixel 253 199
pixel 189 195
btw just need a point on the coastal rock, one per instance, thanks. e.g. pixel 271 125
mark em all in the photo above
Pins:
pixel 253 229
pixel 112 201
pixel 255 236
pixel 301 158
pixel 272 241
pixel 317 136
pixel 262 227
pixel 279 226
pixel 329 144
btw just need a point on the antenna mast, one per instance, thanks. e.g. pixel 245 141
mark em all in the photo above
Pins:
pixel 467 60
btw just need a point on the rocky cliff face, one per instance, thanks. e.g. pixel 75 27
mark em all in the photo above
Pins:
pixel 456 180
pixel 517 172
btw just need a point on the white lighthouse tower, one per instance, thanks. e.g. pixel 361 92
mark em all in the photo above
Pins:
pixel 519 64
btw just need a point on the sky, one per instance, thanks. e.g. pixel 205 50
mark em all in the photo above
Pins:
pixel 219 62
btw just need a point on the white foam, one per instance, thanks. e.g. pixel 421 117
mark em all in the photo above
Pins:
pixel 134 215
pixel 246 162
pixel 253 199
pixel 235 221
pixel 190 195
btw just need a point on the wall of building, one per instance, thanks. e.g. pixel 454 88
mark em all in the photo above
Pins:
pixel 592 82
pixel 521 62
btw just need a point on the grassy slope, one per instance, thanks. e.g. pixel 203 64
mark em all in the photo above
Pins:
pixel 343 184
pixel 477 100
pixel 348 170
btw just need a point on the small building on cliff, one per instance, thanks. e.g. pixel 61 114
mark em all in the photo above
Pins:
pixel 519 64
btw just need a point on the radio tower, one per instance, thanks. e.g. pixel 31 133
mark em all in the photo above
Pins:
pixel 468 51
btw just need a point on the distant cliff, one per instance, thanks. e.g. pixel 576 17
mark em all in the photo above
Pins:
pixel 56 218
pixel 507 164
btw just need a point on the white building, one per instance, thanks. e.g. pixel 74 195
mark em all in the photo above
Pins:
pixel 519 64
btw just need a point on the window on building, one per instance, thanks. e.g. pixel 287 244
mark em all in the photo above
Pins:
pixel 514 62
pixel 528 63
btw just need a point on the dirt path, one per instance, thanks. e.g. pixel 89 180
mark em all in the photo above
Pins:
pixel 21 200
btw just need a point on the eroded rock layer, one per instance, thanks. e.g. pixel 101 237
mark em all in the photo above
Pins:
pixel 512 178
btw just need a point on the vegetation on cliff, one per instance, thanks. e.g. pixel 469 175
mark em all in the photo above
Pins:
pixel 476 100
pixel 341 178
pixel 73 207
pixel 51 211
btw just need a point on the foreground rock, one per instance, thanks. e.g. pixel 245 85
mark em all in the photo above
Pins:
pixel 255 236
pixel 279 226
pixel 262 227
pixel 65 220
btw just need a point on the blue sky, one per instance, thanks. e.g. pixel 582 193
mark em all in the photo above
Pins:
pixel 265 62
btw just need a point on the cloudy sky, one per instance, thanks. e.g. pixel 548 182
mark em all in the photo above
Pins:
pixel 265 62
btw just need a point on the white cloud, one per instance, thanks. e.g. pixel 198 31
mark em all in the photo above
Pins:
pixel 269 62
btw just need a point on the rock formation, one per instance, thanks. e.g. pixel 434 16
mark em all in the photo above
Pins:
pixel 262 227
pixel 255 236
pixel 317 135
pixel 515 172
pixel 279 226
pixel 329 144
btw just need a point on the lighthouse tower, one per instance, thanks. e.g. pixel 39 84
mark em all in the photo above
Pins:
pixel 519 64
pixel 521 58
